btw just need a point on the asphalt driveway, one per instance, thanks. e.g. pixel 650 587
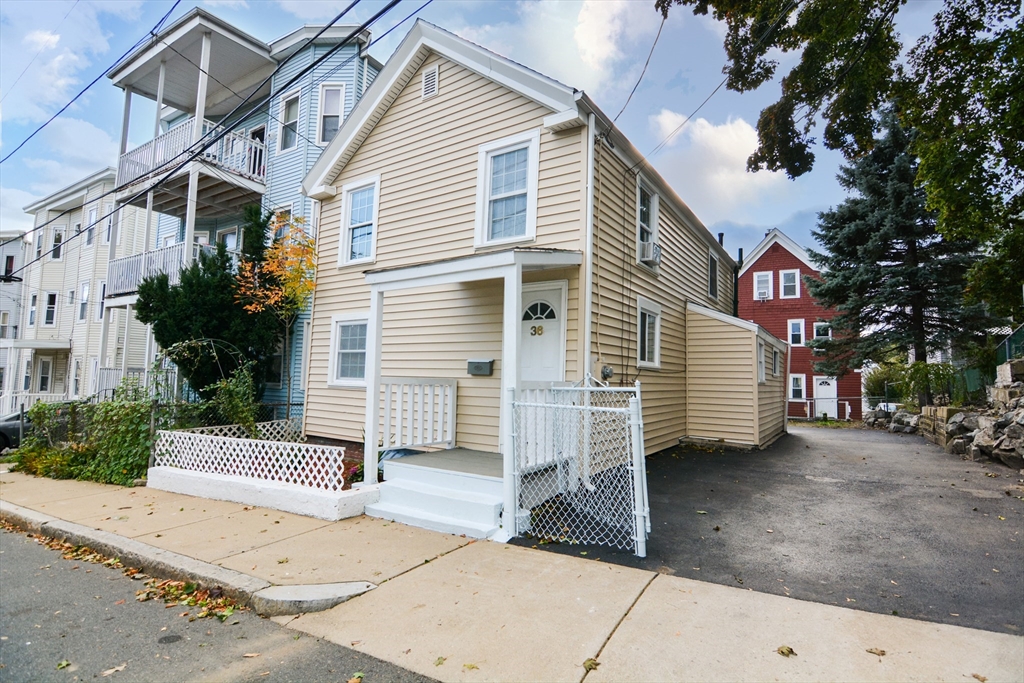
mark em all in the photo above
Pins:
pixel 852 517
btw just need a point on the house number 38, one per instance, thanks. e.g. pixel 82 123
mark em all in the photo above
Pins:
pixel 536 330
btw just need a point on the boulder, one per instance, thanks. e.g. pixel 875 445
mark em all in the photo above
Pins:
pixel 970 421
pixel 976 454
pixel 914 419
pixel 984 422
pixel 1014 431
pixel 985 439
pixel 909 429
pixel 955 423
pixel 957 446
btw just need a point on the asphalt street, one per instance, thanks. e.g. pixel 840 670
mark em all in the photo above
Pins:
pixel 859 518
pixel 54 610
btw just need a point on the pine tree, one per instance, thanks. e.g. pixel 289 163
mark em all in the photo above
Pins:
pixel 898 286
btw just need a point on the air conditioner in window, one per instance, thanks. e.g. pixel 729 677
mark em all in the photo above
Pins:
pixel 762 295
pixel 650 252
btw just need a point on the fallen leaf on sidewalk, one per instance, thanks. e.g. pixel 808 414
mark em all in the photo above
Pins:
pixel 439 661
pixel 470 666
pixel 876 651
pixel 63 664
pixel 769 531
pixel 702 512
pixel 250 655
pixel 283 560
pixel 718 528
pixel 591 664
pixel 786 651
pixel 357 677
pixel 119 602
pixel 111 672
pixel 979 677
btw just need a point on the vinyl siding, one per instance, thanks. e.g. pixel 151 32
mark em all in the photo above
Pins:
pixel 771 395
pixel 721 381
pixel 426 155
pixel 618 280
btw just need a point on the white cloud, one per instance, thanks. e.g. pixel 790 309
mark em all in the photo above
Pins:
pixel 75 148
pixel 227 4
pixel 308 11
pixel 707 164
pixel 41 40
pixel 12 209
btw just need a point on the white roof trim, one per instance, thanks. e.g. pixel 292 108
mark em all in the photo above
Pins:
pixel 773 236
pixel 469 268
pixel 78 187
pixel 421 40
pixel 38 344
pixel 722 317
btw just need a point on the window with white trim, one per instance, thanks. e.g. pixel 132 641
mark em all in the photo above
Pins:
pixel 789 280
pixel 39 244
pixel 275 371
pixel 101 286
pixel 288 133
pixel 347 363
pixel 763 285
pixel 332 99
pixel 796 387
pixel 822 330
pixel 76 378
pixel 26 383
pixel 712 275
pixel 50 312
pixel 5 320
pixel 8 264
pixel 90 228
pixel 648 347
pixel 430 83
pixel 108 223
pixel 83 301
pixel 359 221
pixel 760 362
pixel 33 303
pixel 282 221
pixel 229 238
pixel 646 224
pixel 776 362
pixel 507 173
pixel 57 245
pixel 70 301
pixel 795 330
pixel 45 374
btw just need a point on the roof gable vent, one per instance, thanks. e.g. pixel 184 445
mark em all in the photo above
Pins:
pixel 430 82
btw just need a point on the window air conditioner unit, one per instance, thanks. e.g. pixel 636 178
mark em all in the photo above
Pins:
pixel 762 295
pixel 650 252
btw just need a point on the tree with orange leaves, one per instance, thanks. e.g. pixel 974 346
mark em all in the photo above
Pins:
pixel 281 282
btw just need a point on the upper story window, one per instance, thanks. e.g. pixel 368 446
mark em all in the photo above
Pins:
pixel 5 324
pixel 282 221
pixel 108 223
pixel 790 281
pixel 507 189
pixel 8 264
pixel 648 334
pixel 39 244
pixel 101 301
pixel 712 275
pixel 229 238
pixel 50 314
pixel 288 136
pixel 648 251
pixel 359 221
pixel 763 285
pixel 56 248
pixel 90 228
pixel 822 330
pixel 332 97
pixel 796 332
pixel 83 301
pixel 33 303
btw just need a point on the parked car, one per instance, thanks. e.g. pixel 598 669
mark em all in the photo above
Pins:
pixel 10 430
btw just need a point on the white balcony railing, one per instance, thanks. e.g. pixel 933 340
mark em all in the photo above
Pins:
pixel 234 152
pixel 11 401
pixel 125 274
pixel 418 412
pixel 159 384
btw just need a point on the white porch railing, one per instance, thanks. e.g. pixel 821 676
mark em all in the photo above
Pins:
pixel 234 152
pixel 11 401
pixel 125 274
pixel 418 412
pixel 159 384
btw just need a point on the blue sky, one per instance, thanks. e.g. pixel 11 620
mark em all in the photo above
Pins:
pixel 597 45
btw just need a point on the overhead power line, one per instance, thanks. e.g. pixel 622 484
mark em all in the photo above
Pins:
pixel 644 71
pixel 36 55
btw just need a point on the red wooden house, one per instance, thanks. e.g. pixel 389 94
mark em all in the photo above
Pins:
pixel 772 293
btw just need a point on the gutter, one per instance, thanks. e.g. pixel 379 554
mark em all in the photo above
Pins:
pixel 588 252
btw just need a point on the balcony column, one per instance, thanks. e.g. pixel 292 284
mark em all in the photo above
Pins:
pixel 124 347
pixel 125 118
pixel 197 134
pixel 147 245
pixel 104 337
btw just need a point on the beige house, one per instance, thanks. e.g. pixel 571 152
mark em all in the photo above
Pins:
pixel 486 232
pixel 70 344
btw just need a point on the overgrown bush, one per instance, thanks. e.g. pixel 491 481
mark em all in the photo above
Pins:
pixel 886 381
pixel 235 399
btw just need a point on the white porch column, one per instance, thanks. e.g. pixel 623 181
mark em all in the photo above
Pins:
pixel 197 134
pixel 104 337
pixel 124 347
pixel 509 383
pixel 125 118
pixel 159 98
pixel 371 428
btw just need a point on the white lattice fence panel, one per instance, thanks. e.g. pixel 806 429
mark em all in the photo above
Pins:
pixel 319 467
pixel 275 430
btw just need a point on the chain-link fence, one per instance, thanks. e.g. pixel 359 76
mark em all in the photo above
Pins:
pixel 580 475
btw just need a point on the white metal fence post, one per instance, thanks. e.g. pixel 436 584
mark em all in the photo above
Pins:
pixel 647 498
pixel 636 432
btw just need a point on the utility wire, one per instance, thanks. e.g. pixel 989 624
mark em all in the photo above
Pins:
pixel 93 82
pixel 36 55
pixel 649 55
pixel 218 136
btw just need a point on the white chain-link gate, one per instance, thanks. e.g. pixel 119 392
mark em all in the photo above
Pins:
pixel 580 467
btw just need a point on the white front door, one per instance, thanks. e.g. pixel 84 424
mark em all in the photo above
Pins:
pixel 826 397
pixel 542 334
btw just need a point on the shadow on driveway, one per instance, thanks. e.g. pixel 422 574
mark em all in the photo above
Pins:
pixel 863 519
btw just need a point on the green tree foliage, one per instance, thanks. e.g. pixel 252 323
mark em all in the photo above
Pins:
pixel 961 87
pixel 204 306
pixel 896 284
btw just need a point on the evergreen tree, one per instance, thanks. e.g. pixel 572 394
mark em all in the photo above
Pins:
pixel 898 286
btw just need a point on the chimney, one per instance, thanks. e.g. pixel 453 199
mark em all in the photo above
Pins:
pixel 721 237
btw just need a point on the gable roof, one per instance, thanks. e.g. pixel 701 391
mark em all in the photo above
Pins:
pixel 569 108
pixel 776 236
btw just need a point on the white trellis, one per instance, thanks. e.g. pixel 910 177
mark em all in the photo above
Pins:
pixel 274 430
pixel 314 466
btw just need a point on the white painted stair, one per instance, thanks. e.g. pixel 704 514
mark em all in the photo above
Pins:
pixel 442 500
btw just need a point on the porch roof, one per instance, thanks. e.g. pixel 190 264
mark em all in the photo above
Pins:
pixel 37 344
pixel 487 266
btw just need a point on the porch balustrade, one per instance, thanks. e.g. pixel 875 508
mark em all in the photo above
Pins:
pixel 11 401
pixel 235 152
pixel 125 274
pixel 418 412
pixel 159 384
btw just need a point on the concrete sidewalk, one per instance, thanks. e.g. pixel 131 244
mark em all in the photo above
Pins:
pixel 457 610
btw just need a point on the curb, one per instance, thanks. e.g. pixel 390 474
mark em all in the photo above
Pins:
pixel 265 598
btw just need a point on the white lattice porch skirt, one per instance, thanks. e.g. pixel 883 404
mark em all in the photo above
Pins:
pixel 301 500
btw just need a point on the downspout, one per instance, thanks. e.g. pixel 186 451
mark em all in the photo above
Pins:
pixel 736 286
pixel 589 251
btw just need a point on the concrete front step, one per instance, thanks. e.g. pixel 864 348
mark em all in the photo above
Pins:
pixel 469 506
pixel 396 470
pixel 426 520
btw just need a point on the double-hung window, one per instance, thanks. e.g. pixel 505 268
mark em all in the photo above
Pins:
pixel 712 275
pixel 796 387
pixel 507 173
pixel 288 136
pixel 33 303
pixel 90 228
pixel 776 362
pixel 100 300
pixel 763 286
pixel 347 364
pixel 359 221
pixel 790 283
pixel 648 346
pixel 108 223
pixel 39 244
pixel 8 265
pixel 45 373
pixel 760 362
pixel 83 301
pixel 5 320
pixel 50 313
pixel 332 97
pixel 276 370
pixel 796 332
pixel 822 330
pixel 57 247
pixel 282 222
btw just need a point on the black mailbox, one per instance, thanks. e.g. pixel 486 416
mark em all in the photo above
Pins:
pixel 484 368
